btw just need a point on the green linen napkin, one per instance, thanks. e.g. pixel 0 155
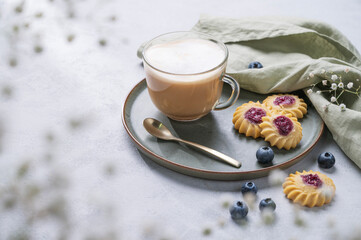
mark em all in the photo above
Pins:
pixel 296 54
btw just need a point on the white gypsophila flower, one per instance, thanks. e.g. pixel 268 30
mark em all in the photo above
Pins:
pixel 333 99
pixel 343 107
pixel 168 233
pixel 323 71
pixel 328 191
pixel 250 199
pixel 331 221
pixel 334 77
pixel 268 216
pixel 356 233
pixel 318 92
pixel 311 75
pixel 276 177
pixel 298 218
pixel 347 70
pixel 324 82
pixel 333 86
pixel 226 200
pixel 349 85
pixel 340 85
pixel 309 91
pixel 299 221
pixel 207 229
pixel 150 228
pixel 357 80
pixel 222 221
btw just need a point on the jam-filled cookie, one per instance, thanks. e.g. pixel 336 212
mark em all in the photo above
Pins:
pixel 288 103
pixel 309 188
pixel 281 130
pixel 248 116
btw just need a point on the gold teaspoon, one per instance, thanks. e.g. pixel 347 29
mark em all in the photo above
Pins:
pixel 157 129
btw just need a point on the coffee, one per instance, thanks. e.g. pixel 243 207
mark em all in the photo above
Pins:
pixel 184 75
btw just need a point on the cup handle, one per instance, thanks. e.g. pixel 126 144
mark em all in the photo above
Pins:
pixel 234 95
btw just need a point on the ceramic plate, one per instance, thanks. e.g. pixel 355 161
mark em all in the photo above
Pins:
pixel 215 130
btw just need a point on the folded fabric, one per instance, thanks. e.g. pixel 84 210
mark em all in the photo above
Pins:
pixel 297 54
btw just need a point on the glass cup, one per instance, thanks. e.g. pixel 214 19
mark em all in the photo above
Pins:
pixel 179 94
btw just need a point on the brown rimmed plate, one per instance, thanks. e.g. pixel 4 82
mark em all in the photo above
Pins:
pixel 215 130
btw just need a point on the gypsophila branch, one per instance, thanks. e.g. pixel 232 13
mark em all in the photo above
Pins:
pixel 336 86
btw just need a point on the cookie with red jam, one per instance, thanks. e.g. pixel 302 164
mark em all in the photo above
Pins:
pixel 281 130
pixel 309 188
pixel 248 116
pixel 288 103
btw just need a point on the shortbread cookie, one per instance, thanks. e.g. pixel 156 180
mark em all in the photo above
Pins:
pixel 248 116
pixel 288 103
pixel 281 130
pixel 309 188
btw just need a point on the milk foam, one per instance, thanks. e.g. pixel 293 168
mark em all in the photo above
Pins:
pixel 185 56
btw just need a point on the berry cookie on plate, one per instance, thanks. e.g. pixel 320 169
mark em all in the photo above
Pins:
pixel 281 130
pixel 288 103
pixel 248 116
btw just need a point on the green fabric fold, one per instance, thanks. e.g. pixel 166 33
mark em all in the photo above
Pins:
pixel 295 53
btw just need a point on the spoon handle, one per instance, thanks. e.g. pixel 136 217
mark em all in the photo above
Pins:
pixel 213 153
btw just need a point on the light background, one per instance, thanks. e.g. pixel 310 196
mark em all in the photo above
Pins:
pixel 65 104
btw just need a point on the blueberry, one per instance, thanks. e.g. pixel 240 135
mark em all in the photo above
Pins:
pixel 326 160
pixel 249 187
pixel 239 210
pixel 267 203
pixel 265 155
pixel 255 65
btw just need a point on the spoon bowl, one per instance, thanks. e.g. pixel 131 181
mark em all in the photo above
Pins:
pixel 157 129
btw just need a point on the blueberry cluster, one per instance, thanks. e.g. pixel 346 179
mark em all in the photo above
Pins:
pixel 265 155
pixel 239 209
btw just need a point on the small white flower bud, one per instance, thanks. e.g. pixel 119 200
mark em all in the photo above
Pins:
pixel 349 85
pixel 343 107
pixel 276 177
pixel 226 200
pixel 334 77
pixel 333 99
pixel 268 216
pixel 207 229
pixel 250 199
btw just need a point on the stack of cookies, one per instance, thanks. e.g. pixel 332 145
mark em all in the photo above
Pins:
pixel 276 120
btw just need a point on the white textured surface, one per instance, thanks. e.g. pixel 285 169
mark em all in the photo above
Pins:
pixel 84 81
